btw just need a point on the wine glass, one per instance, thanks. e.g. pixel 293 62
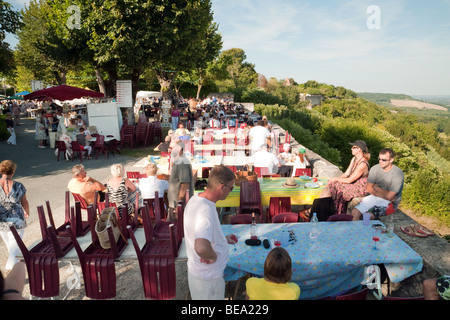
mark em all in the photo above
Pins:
pixel 375 237
pixel 235 238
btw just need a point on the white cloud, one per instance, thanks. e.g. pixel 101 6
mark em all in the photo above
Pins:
pixel 328 42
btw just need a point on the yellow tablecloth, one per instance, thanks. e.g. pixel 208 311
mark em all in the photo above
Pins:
pixel 273 187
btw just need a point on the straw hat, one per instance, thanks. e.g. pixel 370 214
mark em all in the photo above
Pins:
pixel 290 183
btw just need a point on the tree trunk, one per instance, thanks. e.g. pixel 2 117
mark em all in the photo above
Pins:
pixel 199 85
pixel 135 75
pixel 165 80
pixel 60 77
pixel 111 87
pixel 101 82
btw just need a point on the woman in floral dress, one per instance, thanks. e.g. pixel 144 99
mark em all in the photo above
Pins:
pixel 352 184
pixel 14 209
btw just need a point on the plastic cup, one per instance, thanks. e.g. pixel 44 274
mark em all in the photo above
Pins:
pixel 285 239
pixel 390 230
pixel 366 219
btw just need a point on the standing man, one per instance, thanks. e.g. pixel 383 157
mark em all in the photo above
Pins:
pixel 258 135
pixel 16 112
pixel 384 185
pixel 181 179
pixel 206 245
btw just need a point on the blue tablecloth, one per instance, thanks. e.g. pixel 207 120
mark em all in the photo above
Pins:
pixel 331 264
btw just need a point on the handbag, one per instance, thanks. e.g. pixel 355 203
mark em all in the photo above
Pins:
pixel 323 207
pixel 108 218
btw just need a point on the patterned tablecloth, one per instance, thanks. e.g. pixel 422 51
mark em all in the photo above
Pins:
pixel 331 264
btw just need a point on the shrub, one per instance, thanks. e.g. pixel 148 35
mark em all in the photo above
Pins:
pixel 4 133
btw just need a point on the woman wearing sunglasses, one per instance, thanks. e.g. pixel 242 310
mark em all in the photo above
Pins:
pixel 351 184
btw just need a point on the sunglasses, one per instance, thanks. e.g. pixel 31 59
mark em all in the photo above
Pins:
pixel 355 147
pixel 231 188
pixel 384 160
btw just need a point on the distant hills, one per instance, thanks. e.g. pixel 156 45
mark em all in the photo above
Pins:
pixel 441 102
pixel 383 97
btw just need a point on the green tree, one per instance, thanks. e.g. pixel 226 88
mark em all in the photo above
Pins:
pixel 10 22
pixel 234 73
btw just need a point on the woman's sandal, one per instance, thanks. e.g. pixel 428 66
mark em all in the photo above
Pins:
pixel 424 230
pixel 411 232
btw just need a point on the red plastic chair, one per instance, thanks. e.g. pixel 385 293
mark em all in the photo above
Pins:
pixel 277 205
pixel 150 134
pixel 133 174
pixel 82 226
pixel 157 264
pixel 127 135
pixel 157 130
pixel 77 148
pixel 303 172
pixel 241 219
pixel 58 237
pixel 340 217
pixel 97 265
pixel 113 145
pixel 61 145
pixel 205 172
pixel 261 171
pixel 150 203
pixel 100 147
pixel 360 295
pixel 42 267
pixel 141 133
pixel 161 228
pixel 288 217
pixel 250 198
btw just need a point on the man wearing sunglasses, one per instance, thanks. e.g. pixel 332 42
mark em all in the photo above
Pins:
pixel 206 245
pixel 384 186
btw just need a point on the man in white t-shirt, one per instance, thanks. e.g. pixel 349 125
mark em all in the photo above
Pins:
pixel 258 135
pixel 148 186
pixel 206 245
pixel 264 158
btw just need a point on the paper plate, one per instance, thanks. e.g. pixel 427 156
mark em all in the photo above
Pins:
pixel 311 185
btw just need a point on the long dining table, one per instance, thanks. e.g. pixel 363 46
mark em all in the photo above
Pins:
pixel 331 264
pixel 303 194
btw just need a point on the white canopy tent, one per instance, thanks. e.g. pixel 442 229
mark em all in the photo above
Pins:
pixel 148 94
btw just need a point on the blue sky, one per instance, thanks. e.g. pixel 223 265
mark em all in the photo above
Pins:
pixel 329 41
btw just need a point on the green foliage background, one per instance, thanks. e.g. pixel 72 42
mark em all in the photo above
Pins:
pixel 422 153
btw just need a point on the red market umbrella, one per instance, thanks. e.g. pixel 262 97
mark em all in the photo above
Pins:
pixel 63 93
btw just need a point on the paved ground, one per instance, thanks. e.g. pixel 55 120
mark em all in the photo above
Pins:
pixel 46 179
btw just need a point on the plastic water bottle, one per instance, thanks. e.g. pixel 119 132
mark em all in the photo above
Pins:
pixel 314 230
pixel 253 228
